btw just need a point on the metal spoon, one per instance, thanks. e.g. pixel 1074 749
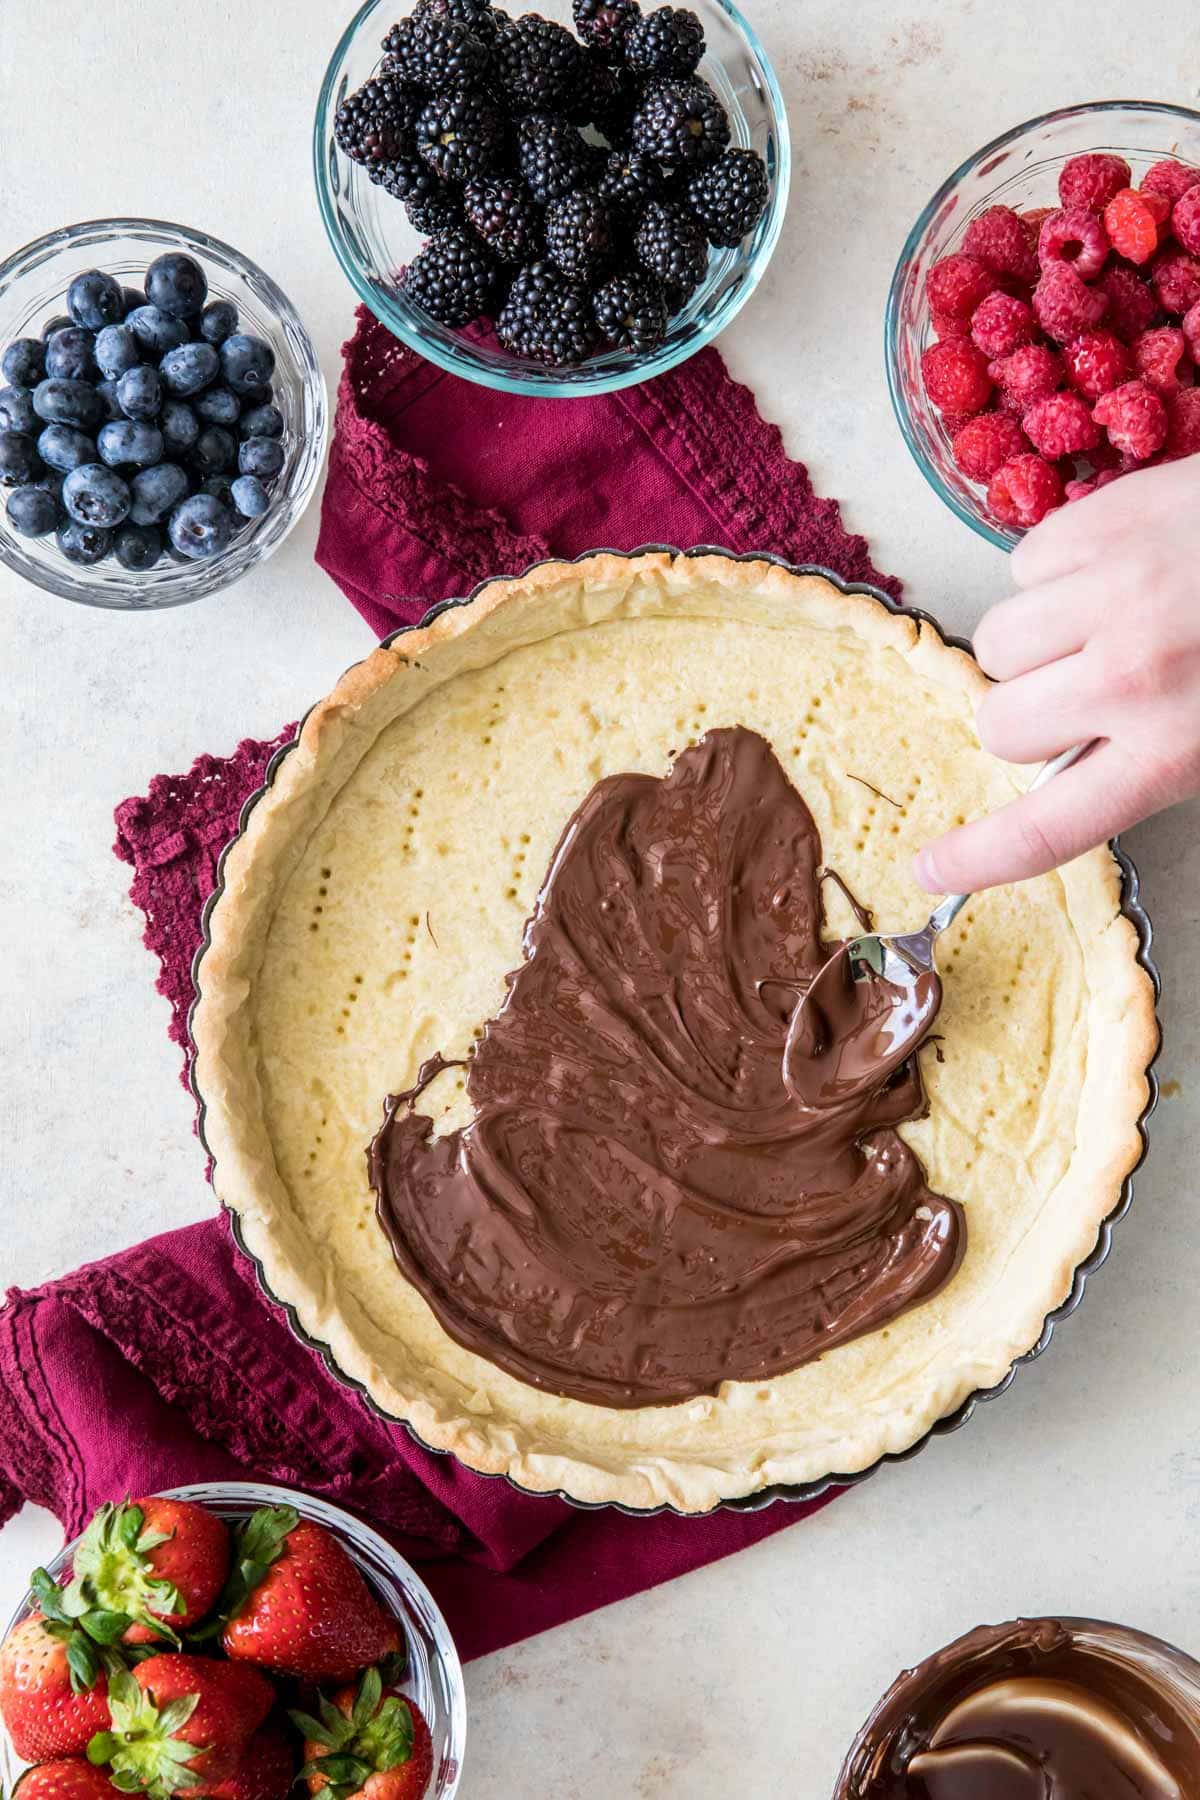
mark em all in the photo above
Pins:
pixel 903 958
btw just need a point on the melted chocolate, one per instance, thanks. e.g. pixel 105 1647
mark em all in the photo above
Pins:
pixel 1042 1709
pixel 663 1186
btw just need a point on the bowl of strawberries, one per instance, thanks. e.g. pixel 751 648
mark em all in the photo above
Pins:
pixel 1043 325
pixel 230 1641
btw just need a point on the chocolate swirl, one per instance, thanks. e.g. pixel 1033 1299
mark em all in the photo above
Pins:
pixel 652 1198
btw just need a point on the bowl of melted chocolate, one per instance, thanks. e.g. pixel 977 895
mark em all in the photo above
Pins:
pixel 1037 1709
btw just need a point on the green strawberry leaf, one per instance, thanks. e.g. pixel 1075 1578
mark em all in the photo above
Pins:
pixel 82 1662
pixel 101 1746
pixel 312 1730
pixel 48 1595
pixel 127 1522
pixel 340 1770
pixel 366 1701
pixel 258 1542
pixel 104 1627
pixel 174 1717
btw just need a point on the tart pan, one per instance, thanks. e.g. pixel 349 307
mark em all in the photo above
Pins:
pixel 794 1492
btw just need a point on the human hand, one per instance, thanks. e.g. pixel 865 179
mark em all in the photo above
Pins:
pixel 1103 642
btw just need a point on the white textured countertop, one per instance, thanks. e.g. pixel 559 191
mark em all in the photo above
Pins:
pixel 1080 1491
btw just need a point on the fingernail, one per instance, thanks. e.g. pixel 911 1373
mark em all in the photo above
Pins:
pixel 925 870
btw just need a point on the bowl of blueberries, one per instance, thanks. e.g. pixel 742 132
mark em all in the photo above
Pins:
pixel 560 202
pixel 163 415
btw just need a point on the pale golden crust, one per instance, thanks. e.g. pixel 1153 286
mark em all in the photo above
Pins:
pixel 258 1055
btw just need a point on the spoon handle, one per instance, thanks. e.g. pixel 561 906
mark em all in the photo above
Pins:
pixel 952 905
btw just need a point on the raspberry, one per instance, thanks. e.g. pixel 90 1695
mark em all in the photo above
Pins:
pixel 1065 305
pixel 1170 178
pixel 1185 220
pixel 999 238
pixel 1014 406
pixel 1157 356
pixel 1175 278
pixel 946 326
pixel 1191 331
pixel 986 443
pixel 1133 222
pixel 1096 363
pixel 1091 181
pixel 1025 490
pixel 1183 424
pixel 1074 237
pixel 1033 219
pixel 1029 374
pixel 1134 418
pixel 1002 324
pixel 1131 304
pixel 1079 490
pixel 956 376
pixel 1061 425
pixel 958 285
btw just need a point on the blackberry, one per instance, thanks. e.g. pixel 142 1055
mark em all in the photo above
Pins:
pixel 547 317
pixel 460 135
pixel 435 53
pixel 579 234
pixel 729 197
pixel 682 123
pixel 671 244
pixel 603 23
pixel 375 124
pixel 536 64
pixel 476 15
pixel 667 42
pixel 632 310
pixel 594 89
pixel 428 213
pixel 613 110
pixel 503 214
pixel 629 180
pixel 407 179
pixel 451 278
pixel 551 155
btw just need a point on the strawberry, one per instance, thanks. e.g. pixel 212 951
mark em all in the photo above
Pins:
pixel 368 1744
pixel 161 1562
pixel 306 1609
pixel 179 1722
pixel 52 1692
pixel 265 1770
pixel 68 1778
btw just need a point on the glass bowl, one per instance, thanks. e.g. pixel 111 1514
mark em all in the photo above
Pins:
pixel 433 1678
pixel 1019 169
pixel 33 286
pixel 372 238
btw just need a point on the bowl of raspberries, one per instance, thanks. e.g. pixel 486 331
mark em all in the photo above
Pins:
pixel 556 202
pixel 232 1641
pixel 1043 326
pixel 162 414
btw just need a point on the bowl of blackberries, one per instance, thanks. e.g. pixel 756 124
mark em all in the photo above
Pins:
pixel 162 414
pixel 557 202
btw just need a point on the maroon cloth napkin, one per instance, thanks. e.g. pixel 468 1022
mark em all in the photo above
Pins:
pixel 165 1364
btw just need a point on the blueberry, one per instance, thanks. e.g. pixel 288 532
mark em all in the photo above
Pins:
pixel 250 497
pixel 202 526
pixel 24 362
pixel 189 368
pixel 33 511
pixel 130 441
pixel 95 300
pixel 63 448
pixel 179 425
pixel 257 395
pixel 93 495
pixel 215 451
pixel 116 351
pixel 86 544
pixel 138 546
pixel 19 463
pixel 261 456
pixel 16 410
pixel 246 362
pixel 139 392
pixel 131 299
pixel 219 485
pixel 155 492
pixel 219 406
pixel 107 390
pixel 177 285
pixel 60 322
pixel 155 332
pixel 68 403
pixel 262 421
pixel 71 355
pixel 218 321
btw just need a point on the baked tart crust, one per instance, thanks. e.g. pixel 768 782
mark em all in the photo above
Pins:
pixel 375 902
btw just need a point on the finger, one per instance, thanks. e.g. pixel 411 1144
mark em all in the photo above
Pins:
pixel 1085 806
pixel 1076 536
pixel 1041 713
pixel 1037 627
